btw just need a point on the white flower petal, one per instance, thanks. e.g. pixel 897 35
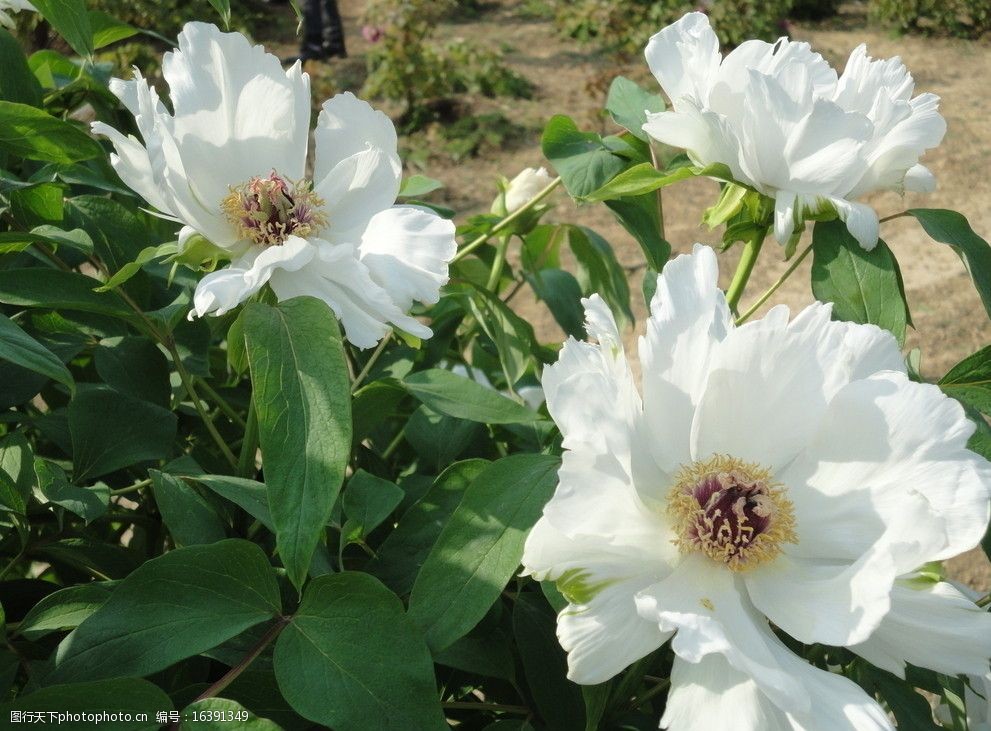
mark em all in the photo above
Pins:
pixel 683 57
pixel 933 627
pixel 356 189
pixel 861 221
pixel 706 605
pixel 337 277
pixel 919 179
pixel 407 250
pixel 348 125
pixel 784 215
pixel 525 187
pixel 689 318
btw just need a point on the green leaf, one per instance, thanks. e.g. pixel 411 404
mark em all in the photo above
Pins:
pixel 487 654
pixel 248 495
pixel 417 186
pixel 862 285
pixel 224 8
pixel 480 548
pixel 582 160
pixel 303 404
pixel 351 660
pixel 458 396
pixel 132 696
pixel 562 294
pixel 599 271
pixel 440 439
pixel 111 430
pixel 512 336
pixel 55 289
pixel 545 665
pixel 71 20
pixel 969 380
pixel 638 180
pixel 402 553
pixel 190 519
pixel 367 501
pixel 21 349
pixel 65 609
pixel 911 710
pixel 628 104
pixel 221 714
pixel 135 366
pixel 106 29
pixel 170 608
pixel 119 235
pixel 640 216
pixel 17 83
pixel 55 237
pixel 34 134
pixel 128 270
pixel 89 503
pixel 951 228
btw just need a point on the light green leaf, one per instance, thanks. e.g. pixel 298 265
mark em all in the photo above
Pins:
pixel 638 180
pixel 29 132
pixel 224 8
pixel 106 29
pixel 134 696
pixel 303 404
pixel 170 608
pixel 628 104
pixel 417 186
pixel 862 285
pixel 351 660
pixel 21 349
pixel 458 396
pixel 582 160
pixel 128 270
pixel 65 609
pixel 480 548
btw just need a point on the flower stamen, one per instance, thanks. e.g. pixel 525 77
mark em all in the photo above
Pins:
pixel 731 511
pixel 269 210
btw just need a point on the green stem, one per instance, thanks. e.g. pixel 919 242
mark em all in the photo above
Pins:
pixel 498 263
pixel 662 685
pixel 984 600
pixel 746 266
pixel 366 369
pixel 249 445
pixel 131 488
pixel 504 223
pixel 221 402
pixel 774 287
pixel 659 194
pixel 471 706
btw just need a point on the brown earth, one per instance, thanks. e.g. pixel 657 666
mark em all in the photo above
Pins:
pixel 950 321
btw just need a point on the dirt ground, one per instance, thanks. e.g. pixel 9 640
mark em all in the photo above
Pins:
pixel 949 319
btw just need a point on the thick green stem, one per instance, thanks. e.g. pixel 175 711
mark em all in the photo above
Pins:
pixel 504 223
pixel 131 488
pixel 366 369
pixel 249 445
pixel 221 402
pixel 746 266
pixel 774 287
pixel 498 263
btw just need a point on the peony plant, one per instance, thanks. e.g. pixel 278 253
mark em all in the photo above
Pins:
pixel 277 451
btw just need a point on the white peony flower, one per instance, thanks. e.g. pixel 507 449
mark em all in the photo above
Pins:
pixel 230 164
pixel 777 472
pixel 525 186
pixel 783 122
pixel 12 7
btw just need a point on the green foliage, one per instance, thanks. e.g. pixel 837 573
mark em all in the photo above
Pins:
pixel 961 18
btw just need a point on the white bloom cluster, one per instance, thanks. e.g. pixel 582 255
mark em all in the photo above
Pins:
pixel 787 125
pixel 230 164
pixel 776 473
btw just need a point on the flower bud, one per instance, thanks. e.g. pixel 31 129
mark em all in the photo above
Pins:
pixel 525 186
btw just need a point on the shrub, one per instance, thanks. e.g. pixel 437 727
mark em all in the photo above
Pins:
pixel 960 18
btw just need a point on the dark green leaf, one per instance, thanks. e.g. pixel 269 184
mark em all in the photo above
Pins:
pixel 71 20
pixel 17 83
pixel 65 609
pixel 29 132
pixel 440 439
pixel 190 519
pixel 172 607
pixel 351 660
pixel 480 548
pixel 969 380
pixel 89 503
pixel 950 227
pixel 224 8
pixel 131 695
pixel 599 271
pixel 545 665
pixel 628 104
pixel 303 404
pixel 221 714
pixel 402 553
pixel 21 349
pixel 367 501
pixel 512 336
pixel 111 430
pixel 862 285
pixel 463 398
pixel 640 216
pixel 562 294
pixel 55 289
pixel 135 366
pixel 584 163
